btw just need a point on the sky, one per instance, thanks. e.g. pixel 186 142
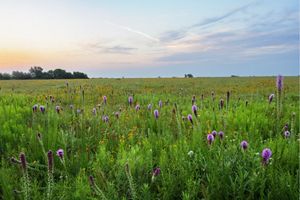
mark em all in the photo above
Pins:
pixel 135 38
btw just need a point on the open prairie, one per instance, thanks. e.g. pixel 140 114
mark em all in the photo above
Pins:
pixel 164 138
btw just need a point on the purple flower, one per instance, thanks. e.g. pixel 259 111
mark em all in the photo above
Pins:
pixel 104 99
pixel 149 106
pixel 266 155
pixel 279 83
pixel 221 103
pixel 94 111
pixel 156 114
pixel 42 109
pixel 137 107
pixel 57 108
pixel 194 110
pixel 105 118
pixel 244 144
pixel 271 98
pixel 214 133
pixel 160 103
pixel 210 138
pixel 34 108
pixel 130 100
pixel 117 115
pixel 23 161
pixel 190 118
pixel 287 134
pixel 156 171
pixel 60 153
pixel 221 134
pixel 286 127
pixel 50 161
pixel 91 181
pixel 193 99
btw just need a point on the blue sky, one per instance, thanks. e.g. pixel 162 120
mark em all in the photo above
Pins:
pixel 151 38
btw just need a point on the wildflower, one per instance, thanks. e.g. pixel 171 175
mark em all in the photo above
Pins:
pixel 210 138
pixel 39 136
pixel 137 107
pixel 50 161
pixel 266 155
pixel 105 118
pixel 104 99
pixel 34 108
pixel 78 111
pixel 94 111
pixel 287 134
pixel 213 95
pixel 160 103
pixel 91 181
pixel 42 109
pixel 271 98
pixel 221 134
pixel 214 133
pixel 221 104
pixel 194 110
pixel 117 115
pixel 60 153
pixel 244 144
pixel 57 108
pixel 149 106
pixel 190 153
pixel 156 171
pixel 227 97
pixel 156 114
pixel 190 118
pixel 71 107
pixel 286 127
pixel 279 83
pixel 23 161
pixel 130 100
pixel 193 99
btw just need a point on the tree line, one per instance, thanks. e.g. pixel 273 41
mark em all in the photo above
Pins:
pixel 39 73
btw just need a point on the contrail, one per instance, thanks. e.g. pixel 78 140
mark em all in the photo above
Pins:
pixel 133 31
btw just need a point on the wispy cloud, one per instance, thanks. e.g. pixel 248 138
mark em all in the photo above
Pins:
pixel 109 49
pixel 140 33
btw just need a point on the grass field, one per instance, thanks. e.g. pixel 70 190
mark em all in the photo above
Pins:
pixel 164 150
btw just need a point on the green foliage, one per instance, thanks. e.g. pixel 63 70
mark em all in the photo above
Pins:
pixel 122 153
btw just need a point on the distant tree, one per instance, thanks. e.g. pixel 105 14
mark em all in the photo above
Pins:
pixel 36 72
pixel 188 76
pixel 79 75
pixel 20 75
pixel 5 76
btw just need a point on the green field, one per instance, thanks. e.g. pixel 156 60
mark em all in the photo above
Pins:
pixel 137 156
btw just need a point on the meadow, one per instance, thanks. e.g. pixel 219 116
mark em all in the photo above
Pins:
pixel 162 138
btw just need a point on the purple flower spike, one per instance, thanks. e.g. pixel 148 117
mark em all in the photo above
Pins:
pixel 244 144
pixel 34 108
pixel 60 153
pixel 137 107
pixel 160 103
pixel 193 99
pixel 279 83
pixel 156 171
pixel 210 138
pixel 194 110
pixel 91 181
pixel 214 133
pixel 42 109
pixel 23 161
pixel 286 127
pixel 221 134
pixel 130 100
pixel 149 106
pixel 94 111
pixel 271 98
pixel 50 161
pixel 104 99
pixel 156 114
pixel 221 103
pixel 117 115
pixel 57 108
pixel 190 118
pixel 266 155
pixel 105 118
pixel 287 134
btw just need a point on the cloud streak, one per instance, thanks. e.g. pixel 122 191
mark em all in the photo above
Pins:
pixel 140 33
